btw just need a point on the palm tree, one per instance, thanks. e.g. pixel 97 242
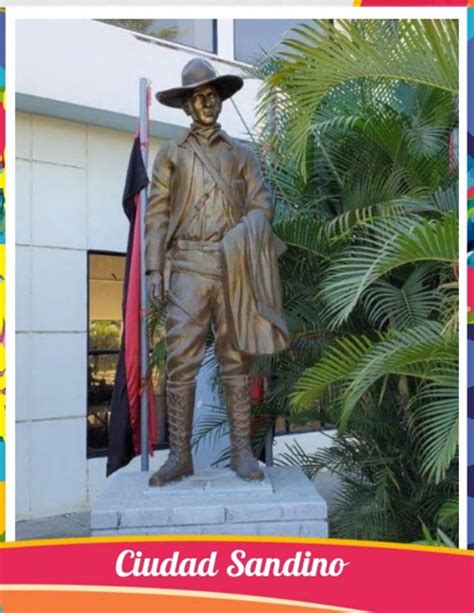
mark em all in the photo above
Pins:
pixel 356 147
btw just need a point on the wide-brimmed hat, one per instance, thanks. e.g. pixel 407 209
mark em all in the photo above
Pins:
pixel 196 73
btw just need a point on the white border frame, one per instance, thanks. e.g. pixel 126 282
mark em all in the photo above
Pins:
pixel 227 12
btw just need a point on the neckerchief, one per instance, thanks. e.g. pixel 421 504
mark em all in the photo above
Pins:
pixel 205 134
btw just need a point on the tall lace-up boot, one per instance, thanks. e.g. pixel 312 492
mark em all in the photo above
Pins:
pixel 180 404
pixel 243 462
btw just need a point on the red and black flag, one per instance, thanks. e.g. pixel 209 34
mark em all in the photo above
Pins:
pixel 124 430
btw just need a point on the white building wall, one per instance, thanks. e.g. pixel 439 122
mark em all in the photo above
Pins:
pixel 97 81
pixel 70 179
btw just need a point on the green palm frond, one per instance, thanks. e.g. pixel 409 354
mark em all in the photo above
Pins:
pixel 448 515
pixel 403 306
pixel 211 426
pixel 357 363
pixel 326 55
pixel 425 138
pixel 302 311
pixel 440 540
pixel 341 124
pixel 386 245
pixel 295 455
pixel 414 352
pixel 342 226
pixel 383 143
pixel 223 459
pixel 360 515
pixel 158 356
pixel 337 364
pixel 446 200
pixel 304 234
pixel 435 418
pixel 377 188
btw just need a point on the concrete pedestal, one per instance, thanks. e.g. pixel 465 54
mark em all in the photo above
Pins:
pixel 213 501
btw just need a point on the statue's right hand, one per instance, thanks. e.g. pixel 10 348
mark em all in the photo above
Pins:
pixel 155 288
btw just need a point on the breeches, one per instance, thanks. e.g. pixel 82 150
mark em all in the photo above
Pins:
pixel 194 301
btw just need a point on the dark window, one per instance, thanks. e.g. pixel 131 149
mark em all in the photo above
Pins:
pixel 106 274
pixel 105 284
pixel 255 37
pixel 197 33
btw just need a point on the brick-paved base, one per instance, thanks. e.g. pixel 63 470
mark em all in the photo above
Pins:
pixel 214 501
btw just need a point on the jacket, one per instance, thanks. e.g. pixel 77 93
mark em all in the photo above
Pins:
pixel 173 190
pixel 250 249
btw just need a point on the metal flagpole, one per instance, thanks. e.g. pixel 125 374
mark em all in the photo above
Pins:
pixel 144 144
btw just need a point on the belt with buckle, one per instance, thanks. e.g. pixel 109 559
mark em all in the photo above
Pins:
pixel 198 245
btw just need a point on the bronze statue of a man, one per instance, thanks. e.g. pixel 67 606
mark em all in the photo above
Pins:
pixel 211 255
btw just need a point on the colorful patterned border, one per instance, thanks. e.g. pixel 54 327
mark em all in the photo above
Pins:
pixel 2 275
pixel 470 275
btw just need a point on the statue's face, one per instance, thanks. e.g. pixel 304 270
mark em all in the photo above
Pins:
pixel 204 105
